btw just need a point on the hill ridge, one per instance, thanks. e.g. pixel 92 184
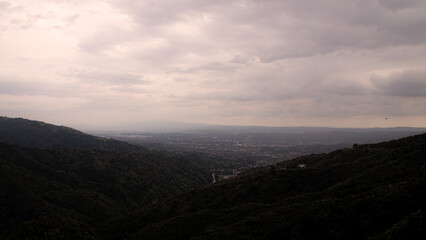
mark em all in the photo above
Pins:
pixel 38 134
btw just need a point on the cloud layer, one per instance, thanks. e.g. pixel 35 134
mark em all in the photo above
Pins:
pixel 318 63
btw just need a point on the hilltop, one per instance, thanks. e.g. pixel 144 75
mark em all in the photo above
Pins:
pixel 36 134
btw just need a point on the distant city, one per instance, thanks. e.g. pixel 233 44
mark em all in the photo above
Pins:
pixel 249 147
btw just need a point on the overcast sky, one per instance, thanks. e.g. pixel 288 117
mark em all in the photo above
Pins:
pixel 102 64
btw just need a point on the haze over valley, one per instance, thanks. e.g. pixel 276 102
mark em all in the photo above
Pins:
pixel 241 148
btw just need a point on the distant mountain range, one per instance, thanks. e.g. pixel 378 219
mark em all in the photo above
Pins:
pixel 182 127
pixel 59 183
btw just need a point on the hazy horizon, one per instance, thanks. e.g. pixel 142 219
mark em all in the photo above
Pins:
pixel 113 64
pixel 167 127
pixel 187 127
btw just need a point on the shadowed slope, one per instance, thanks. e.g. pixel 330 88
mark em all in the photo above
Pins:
pixel 374 190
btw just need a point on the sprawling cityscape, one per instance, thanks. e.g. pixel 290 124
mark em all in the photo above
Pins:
pixel 241 149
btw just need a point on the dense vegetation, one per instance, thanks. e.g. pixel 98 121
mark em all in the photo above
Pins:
pixel 80 187
pixel 87 185
pixel 375 191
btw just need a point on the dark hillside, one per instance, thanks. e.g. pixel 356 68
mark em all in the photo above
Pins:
pixel 86 186
pixel 28 133
pixel 375 191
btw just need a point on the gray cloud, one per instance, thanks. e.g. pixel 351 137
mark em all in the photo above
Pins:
pixel 4 5
pixel 272 62
pixel 72 18
pixel 103 40
pixel 409 83
pixel 396 5
pixel 103 77
pixel 274 30
pixel 18 86
pixel 240 59
pixel 210 67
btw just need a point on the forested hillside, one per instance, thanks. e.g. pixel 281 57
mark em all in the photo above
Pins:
pixel 90 186
pixel 69 177
pixel 375 191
